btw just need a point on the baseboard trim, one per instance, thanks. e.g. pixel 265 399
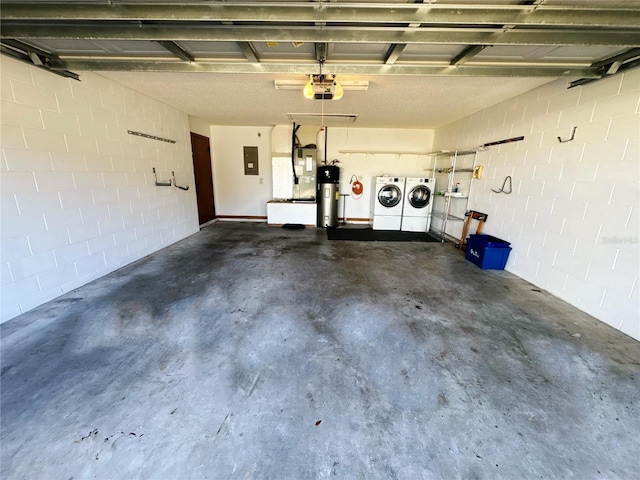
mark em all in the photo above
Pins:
pixel 210 222
pixel 280 225
pixel 356 220
pixel 242 218
pixel 260 218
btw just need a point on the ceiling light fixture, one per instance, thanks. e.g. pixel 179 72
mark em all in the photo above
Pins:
pixel 299 84
pixel 326 119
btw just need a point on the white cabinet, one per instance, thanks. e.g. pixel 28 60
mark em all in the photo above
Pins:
pixel 453 171
pixel 280 212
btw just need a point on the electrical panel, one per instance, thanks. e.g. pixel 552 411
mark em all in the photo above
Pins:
pixel 250 160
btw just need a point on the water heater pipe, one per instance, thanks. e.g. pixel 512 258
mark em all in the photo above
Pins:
pixel 293 152
pixel 326 134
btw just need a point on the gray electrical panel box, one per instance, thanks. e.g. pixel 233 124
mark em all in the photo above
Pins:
pixel 250 160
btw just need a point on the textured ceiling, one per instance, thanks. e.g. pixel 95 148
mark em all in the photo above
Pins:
pixel 391 101
pixel 428 63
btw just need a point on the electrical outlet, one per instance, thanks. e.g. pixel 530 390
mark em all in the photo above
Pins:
pixel 359 178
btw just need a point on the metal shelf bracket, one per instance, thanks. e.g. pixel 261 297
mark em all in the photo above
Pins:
pixel 160 184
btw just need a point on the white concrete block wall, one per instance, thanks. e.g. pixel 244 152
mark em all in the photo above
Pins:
pixel 366 153
pixel 573 217
pixel 245 196
pixel 77 191
pixel 237 195
pixel 406 159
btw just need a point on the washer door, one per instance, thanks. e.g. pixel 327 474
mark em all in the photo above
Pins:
pixel 389 196
pixel 419 196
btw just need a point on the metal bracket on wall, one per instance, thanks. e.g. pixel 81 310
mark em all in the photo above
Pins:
pixel 175 184
pixel 152 137
pixel 573 134
pixel 160 184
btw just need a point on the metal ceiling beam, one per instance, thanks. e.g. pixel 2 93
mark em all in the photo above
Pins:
pixel 177 50
pixel 249 51
pixel 514 70
pixel 321 49
pixel 394 53
pixel 285 12
pixel 233 33
pixel 467 53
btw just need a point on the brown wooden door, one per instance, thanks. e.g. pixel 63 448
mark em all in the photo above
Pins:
pixel 204 177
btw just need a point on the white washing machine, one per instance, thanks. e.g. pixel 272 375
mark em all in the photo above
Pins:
pixel 418 203
pixel 386 203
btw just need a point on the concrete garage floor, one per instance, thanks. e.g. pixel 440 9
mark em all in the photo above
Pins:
pixel 260 353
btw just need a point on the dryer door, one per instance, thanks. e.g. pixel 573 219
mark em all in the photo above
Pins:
pixel 389 196
pixel 419 196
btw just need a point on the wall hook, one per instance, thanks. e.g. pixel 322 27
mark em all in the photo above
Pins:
pixel 185 187
pixel 573 134
pixel 504 184
pixel 160 184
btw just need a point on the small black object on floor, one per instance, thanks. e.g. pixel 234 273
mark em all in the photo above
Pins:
pixel 368 235
pixel 293 226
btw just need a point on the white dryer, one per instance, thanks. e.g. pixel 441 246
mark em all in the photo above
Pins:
pixel 386 203
pixel 418 203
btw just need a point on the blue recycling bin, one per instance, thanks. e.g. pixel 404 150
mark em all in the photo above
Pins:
pixel 487 252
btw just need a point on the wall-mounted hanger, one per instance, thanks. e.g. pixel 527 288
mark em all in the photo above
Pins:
pixel 573 134
pixel 504 184
pixel 185 187
pixel 160 184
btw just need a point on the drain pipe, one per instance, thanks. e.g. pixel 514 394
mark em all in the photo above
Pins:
pixel 326 134
pixel 293 152
pixel 322 155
